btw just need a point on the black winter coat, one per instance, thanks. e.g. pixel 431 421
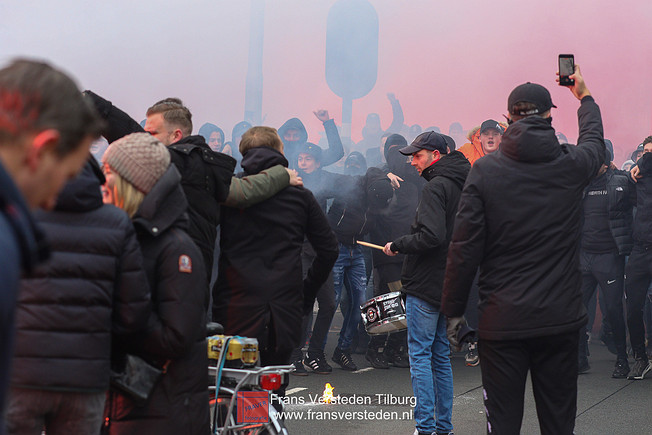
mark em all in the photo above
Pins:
pixel 92 287
pixel 357 203
pixel 621 196
pixel 260 275
pixel 176 330
pixel 22 247
pixel 643 218
pixel 427 244
pixel 519 220
pixel 205 175
pixel 205 178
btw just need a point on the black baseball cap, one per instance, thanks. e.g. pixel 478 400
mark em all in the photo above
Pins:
pixel 312 149
pixel 450 142
pixel 530 93
pixel 426 141
pixel 490 124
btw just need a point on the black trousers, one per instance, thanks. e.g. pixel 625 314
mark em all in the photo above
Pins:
pixel 638 277
pixel 471 313
pixel 607 271
pixel 552 363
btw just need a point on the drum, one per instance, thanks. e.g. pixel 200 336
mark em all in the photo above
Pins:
pixel 384 313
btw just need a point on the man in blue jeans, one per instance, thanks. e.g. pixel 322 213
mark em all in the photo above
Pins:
pixel 350 216
pixel 426 248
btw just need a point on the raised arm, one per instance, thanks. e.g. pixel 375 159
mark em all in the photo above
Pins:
pixel 119 124
pixel 397 115
pixel 335 150
pixel 591 137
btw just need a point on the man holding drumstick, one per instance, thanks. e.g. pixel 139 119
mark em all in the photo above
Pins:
pixel 426 248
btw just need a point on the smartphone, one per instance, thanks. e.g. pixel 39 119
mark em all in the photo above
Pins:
pixel 566 68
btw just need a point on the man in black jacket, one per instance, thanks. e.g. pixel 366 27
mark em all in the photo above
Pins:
pixel 351 215
pixel 423 276
pixel 519 220
pixel 294 136
pixel 260 290
pixel 639 266
pixel 392 222
pixel 206 176
pixel 606 241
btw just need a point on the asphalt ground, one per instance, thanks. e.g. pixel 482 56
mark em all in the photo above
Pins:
pixel 376 401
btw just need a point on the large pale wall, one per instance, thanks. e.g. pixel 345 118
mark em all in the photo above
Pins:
pixel 445 61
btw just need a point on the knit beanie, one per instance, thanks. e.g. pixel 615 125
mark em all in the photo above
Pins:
pixel 139 158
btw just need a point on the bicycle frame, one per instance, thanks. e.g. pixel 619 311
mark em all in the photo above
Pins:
pixel 245 380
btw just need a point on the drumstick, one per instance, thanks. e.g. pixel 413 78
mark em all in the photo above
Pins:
pixel 370 245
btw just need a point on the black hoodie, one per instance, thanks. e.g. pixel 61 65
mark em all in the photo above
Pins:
pixel 643 218
pixel 427 244
pixel 291 150
pixel 519 220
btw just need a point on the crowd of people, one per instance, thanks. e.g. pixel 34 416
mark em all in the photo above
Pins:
pixel 131 250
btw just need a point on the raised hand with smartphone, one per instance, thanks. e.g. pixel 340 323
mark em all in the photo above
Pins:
pixel 573 81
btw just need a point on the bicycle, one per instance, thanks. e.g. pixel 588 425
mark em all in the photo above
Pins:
pixel 242 376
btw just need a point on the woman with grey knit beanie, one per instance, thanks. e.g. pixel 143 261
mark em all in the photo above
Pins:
pixel 141 181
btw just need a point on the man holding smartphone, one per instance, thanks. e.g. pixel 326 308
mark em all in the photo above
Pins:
pixel 519 220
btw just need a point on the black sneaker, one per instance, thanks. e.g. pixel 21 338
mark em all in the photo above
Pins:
pixel 377 359
pixel 583 366
pixel 343 358
pixel 317 363
pixel 299 369
pixel 621 369
pixel 640 369
pixel 398 358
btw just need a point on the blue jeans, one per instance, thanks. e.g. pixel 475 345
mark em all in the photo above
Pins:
pixel 430 367
pixel 350 267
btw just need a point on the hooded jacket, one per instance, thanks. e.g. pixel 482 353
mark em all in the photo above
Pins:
pixel 355 206
pixel 643 218
pixel 260 281
pixel 66 315
pixel 207 129
pixel 176 331
pixel 329 156
pixel 427 244
pixel 519 220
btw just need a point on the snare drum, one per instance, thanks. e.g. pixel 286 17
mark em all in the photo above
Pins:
pixel 384 313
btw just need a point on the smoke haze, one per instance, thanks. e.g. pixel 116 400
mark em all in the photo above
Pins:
pixel 445 61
